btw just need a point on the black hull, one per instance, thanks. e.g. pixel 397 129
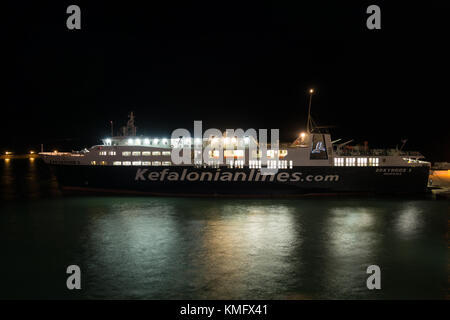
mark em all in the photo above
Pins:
pixel 241 182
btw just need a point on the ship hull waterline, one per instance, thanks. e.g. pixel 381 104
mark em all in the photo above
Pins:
pixel 223 181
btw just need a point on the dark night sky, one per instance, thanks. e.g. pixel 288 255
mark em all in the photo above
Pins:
pixel 230 64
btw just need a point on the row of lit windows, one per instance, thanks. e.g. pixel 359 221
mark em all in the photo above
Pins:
pixel 142 163
pixel 136 153
pixel 282 164
pixel 352 162
pixel 271 164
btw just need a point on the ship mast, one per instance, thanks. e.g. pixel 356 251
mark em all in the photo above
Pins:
pixel 131 129
pixel 309 122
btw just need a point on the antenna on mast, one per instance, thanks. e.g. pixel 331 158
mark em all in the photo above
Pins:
pixel 309 124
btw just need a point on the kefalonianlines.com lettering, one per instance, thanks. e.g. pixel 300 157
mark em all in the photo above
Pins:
pixel 253 175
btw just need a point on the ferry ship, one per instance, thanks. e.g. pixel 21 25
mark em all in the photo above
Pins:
pixel 312 164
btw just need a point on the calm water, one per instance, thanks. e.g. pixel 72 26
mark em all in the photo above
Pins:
pixel 181 248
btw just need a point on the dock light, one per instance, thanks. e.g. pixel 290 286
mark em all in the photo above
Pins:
pixel 7 152
pixel 311 91
pixel 55 151
pixel 302 135
pixel 31 152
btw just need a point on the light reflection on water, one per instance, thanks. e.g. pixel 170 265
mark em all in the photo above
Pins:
pixel 181 248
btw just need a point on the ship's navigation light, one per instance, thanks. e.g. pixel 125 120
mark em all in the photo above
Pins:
pixel 130 142
pixel 146 141
pixel 155 141
pixel 137 142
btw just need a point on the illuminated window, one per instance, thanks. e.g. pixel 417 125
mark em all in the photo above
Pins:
pixel 290 164
pixel 130 142
pixel 102 153
pixel 93 163
pixel 156 153
pixel 146 141
pixel 166 163
pixel 117 163
pixel 146 163
pixel 362 162
pixel 146 153
pixel 350 162
pixel 339 162
pixel 126 153
pixel 136 163
pixel 112 153
pixel 126 163
pixel 103 163
pixel 374 162
pixel 156 163
pixel 136 153
pixel 166 153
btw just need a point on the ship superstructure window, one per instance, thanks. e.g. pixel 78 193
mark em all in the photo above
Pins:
pixel 117 163
pixel 146 153
pixel 112 153
pixel 339 162
pixel 156 163
pixel 374 162
pixel 239 164
pixel 361 162
pixel 93 163
pixel 350 162
pixel 156 153
pixel 103 163
pixel 254 164
pixel 136 153
pixel 146 163
pixel 290 164
pixel 126 153
pixel 137 163
pixel 126 163
pixel 166 153
pixel 102 153
pixel 166 163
